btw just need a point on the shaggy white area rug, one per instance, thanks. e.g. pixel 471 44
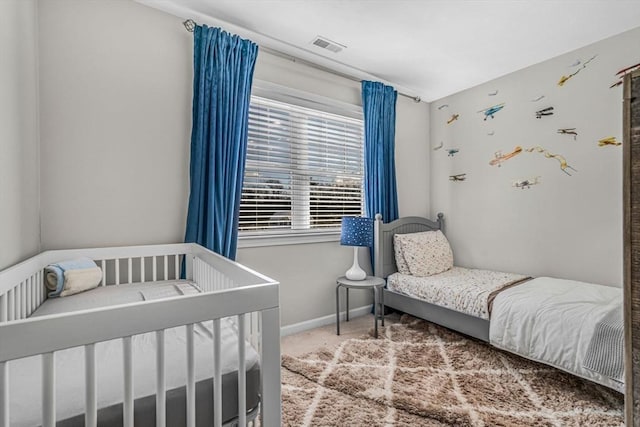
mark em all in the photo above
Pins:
pixel 420 374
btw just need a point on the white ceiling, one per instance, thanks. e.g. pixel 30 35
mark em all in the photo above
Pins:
pixel 429 48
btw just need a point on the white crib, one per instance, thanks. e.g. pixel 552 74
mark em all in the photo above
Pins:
pixel 229 289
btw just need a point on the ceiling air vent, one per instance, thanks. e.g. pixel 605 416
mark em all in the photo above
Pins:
pixel 325 43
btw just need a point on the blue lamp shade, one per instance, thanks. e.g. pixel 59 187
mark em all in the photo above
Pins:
pixel 356 231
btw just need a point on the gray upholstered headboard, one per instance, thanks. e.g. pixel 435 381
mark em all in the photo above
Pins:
pixel 384 261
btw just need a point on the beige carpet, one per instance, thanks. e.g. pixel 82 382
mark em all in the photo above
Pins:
pixel 418 374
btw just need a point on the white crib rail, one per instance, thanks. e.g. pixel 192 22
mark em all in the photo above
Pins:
pixel 229 290
pixel 21 299
pixel 22 287
pixel 128 270
pixel 211 279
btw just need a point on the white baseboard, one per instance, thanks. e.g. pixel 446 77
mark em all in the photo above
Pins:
pixel 323 321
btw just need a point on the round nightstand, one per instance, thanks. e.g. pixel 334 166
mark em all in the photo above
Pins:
pixel 370 282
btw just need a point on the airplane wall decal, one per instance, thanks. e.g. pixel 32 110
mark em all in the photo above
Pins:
pixel 526 183
pixel 608 141
pixel 544 112
pixel 490 111
pixel 568 131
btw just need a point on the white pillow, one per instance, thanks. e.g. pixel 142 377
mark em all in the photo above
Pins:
pixel 426 253
pixel 401 264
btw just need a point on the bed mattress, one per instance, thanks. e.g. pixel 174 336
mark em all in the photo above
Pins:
pixel 26 379
pixel 469 291
pixel 552 321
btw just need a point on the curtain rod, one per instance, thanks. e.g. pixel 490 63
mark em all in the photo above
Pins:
pixel 190 25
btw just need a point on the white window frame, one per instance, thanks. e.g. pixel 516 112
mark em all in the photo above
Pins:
pixel 263 89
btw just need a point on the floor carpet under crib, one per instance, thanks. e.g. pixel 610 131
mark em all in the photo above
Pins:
pixel 420 374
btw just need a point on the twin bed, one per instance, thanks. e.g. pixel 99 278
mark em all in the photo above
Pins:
pixel 146 347
pixel 573 326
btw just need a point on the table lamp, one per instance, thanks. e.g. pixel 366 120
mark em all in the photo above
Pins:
pixel 356 231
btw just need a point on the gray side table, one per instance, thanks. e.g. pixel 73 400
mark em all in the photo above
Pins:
pixel 370 282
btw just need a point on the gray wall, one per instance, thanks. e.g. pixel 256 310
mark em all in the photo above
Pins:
pixel 115 84
pixel 115 108
pixel 567 226
pixel 19 168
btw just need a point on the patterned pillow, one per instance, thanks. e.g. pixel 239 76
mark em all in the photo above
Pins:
pixel 426 253
pixel 401 264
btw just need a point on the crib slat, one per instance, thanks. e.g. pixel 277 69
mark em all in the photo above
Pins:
pixel 207 276
pixel 48 390
pixel 203 274
pixel 34 293
pixel 117 260
pixel 36 290
pixel 242 373
pixel 129 270
pixel 154 265
pixel 161 411
pixel 142 272
pixel 19 301
pixel 127 405
pixel 16 302
pixel 43 288
pixel 217 379
pixel 4 311
pixel 91 386
pixel 103 264
pixel 27 298
pixel 4 394
pixel 27 285
pixel 11 305
pixel 23 300
pixel 166 267
pixel 39 286
pixel 255 331
pixel 176 267
pixel 191 378
pixel 196 273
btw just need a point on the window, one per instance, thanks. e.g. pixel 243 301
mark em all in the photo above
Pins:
pixel 304 170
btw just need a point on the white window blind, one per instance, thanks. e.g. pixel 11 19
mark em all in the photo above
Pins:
pixel 304 169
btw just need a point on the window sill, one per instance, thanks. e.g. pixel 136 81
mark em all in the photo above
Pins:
pixel 256 241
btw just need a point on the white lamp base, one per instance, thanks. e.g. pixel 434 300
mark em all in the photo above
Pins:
pixel 355 272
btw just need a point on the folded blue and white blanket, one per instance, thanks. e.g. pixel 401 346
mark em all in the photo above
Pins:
pixel 69 277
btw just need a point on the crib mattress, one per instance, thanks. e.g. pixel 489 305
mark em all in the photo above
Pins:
pixel 467 290
pixel 26 379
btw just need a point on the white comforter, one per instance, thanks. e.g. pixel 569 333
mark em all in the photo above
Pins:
pixel 552 321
